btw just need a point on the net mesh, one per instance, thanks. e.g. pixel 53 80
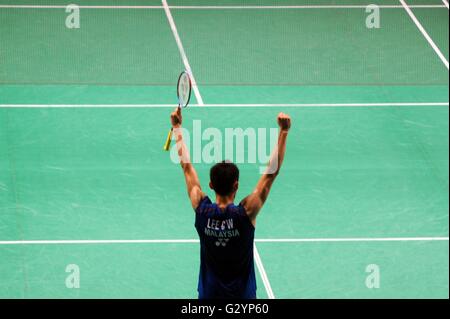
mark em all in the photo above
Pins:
pixel 225 47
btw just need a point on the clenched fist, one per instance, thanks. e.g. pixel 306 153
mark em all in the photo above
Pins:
pixel 284 121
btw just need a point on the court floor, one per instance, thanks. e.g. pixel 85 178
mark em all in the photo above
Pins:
pixel 84 114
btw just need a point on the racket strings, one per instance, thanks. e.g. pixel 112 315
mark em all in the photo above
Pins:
pixel 184 90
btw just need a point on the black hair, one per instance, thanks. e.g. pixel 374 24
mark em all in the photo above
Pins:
pixel 223 175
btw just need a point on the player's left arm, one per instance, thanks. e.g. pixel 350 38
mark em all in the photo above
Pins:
pixel 255 201
pixel 194 189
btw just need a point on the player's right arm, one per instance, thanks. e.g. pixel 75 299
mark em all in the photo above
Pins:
pixel 194 189
pixel 255 201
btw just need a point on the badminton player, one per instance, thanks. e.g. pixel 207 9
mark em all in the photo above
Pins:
pixel 226 230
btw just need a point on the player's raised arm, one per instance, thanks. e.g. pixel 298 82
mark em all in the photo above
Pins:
pixel 192 182
pixel 254 202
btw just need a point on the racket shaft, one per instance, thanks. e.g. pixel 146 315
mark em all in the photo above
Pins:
pixel 168 140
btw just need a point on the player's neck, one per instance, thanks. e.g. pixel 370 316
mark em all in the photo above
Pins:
pixel 224 201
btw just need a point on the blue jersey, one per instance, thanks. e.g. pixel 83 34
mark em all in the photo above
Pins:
pixel 226 251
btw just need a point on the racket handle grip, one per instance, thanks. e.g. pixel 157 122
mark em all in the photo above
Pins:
pixel 168 140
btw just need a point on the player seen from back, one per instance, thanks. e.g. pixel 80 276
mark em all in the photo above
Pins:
pixel 227 230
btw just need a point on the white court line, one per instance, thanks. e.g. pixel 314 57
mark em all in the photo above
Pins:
pixel 231 7
pixel 99 241
pixel 32 6
pixel 234 105
pixel 301 7
pixel 191 241
pixel 263 273
pixel 445 3
pixel 182 52
pixel 368 239
pixel 424 33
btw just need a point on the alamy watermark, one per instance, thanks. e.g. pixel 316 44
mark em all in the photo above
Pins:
pixel 211 145
pixel 73 279
pixel 373 277
pixel 73 19
pixel 373 18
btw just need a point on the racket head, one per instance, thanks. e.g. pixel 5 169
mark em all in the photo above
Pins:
pixel 184 89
